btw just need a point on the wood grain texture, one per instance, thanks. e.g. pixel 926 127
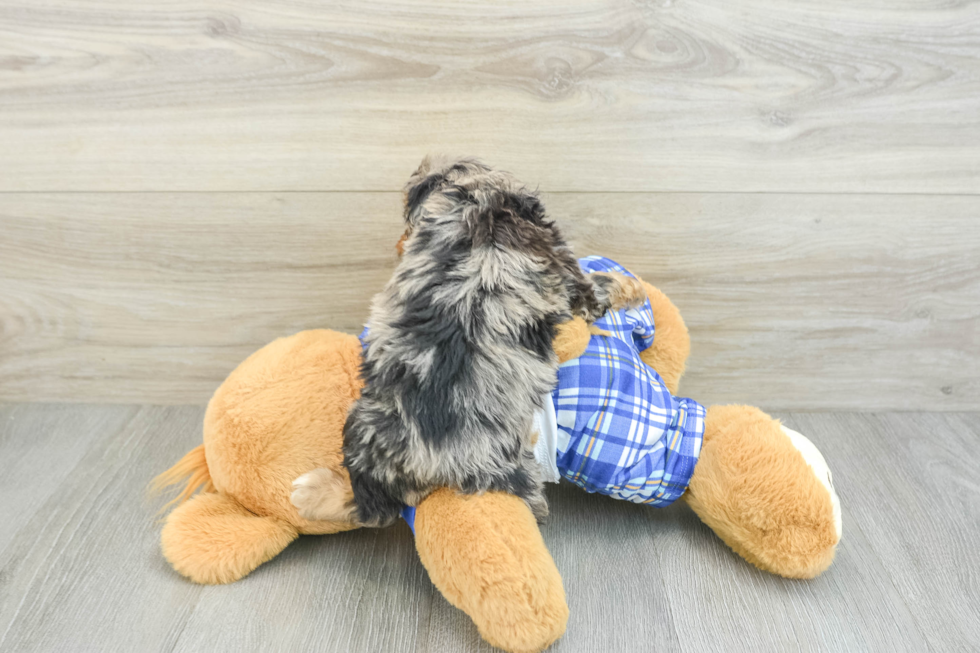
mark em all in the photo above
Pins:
pixel 50 438
pixel 177 289
pixel 81 567
pixel 920 511
pixel 808 302
pixel 362 591
pixel 611 95
pixel 865 302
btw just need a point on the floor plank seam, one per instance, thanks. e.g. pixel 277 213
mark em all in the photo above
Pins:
pixel 365 191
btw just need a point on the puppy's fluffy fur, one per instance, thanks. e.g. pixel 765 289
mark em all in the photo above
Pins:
pixel 459 350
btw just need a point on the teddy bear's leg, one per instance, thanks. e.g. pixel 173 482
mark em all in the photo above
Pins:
pixel 486 555
pixel 212 539
pixel 671 342
pixel 756 490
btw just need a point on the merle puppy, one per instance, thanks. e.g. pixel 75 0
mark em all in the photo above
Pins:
pixel 459 350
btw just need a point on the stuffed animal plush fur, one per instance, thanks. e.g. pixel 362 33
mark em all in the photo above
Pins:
pixel 763 489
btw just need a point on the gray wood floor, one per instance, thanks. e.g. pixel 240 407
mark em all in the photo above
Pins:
pixel 80 567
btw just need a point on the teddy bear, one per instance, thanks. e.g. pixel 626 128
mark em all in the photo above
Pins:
pixel 763 489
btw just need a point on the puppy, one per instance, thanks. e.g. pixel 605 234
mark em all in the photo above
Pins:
pixel 459 350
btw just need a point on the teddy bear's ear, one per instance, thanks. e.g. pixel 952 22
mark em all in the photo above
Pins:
pixel 211 539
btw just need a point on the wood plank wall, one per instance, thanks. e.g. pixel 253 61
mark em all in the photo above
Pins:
pixel 181 182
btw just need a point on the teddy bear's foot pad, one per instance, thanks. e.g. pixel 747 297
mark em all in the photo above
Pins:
pixel 821 471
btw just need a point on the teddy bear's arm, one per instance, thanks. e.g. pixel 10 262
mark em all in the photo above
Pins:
pixel 571 340
pixel 671 342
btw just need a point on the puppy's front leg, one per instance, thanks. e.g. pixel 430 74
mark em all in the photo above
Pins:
pixel 594 294
pixel 616 291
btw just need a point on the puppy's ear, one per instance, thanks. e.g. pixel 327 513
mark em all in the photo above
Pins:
pixel 434 171
pixel 420 185
pixel 615 291
pixel 417 192
pixel 530 207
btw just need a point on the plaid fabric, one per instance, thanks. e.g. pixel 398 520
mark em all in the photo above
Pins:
pixel 621 433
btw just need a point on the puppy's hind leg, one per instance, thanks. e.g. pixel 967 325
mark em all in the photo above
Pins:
pixel 527 484
pixel 538 504
pixel 378 504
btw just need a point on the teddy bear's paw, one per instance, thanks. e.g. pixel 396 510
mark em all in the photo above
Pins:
pixel 322 495
pixel 821 471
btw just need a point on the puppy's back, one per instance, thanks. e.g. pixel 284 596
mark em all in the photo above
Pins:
pixel 459 348
pixel 460 338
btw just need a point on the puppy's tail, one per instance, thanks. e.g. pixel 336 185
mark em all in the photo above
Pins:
pixel 193 467
pixel 324 495
pixel 615 291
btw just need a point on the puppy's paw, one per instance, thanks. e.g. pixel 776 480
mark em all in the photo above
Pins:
pixel 633 294
pixel 618 291
pixel 322 495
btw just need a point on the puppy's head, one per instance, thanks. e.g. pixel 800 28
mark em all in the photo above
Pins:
pixel 432 178
pixel 441 184
pixel 425 188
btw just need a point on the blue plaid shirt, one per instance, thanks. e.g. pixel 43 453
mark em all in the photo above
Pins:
pixel 620 431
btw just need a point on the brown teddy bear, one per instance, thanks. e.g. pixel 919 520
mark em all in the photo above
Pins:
pixel 765 490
